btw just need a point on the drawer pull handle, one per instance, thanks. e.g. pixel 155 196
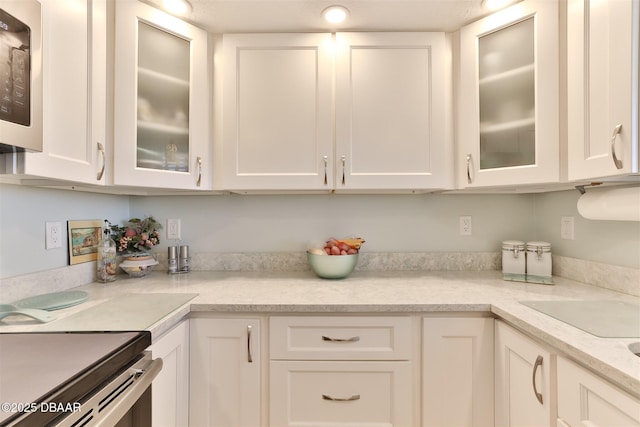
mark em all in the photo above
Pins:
pixel 341 399
pixel 352 339
pixel 536 365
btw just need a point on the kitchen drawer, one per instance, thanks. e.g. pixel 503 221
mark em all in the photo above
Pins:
pixel 340 338
pixel 307 393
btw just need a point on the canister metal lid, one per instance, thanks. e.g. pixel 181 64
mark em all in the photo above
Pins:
pixel 538 247
pixel 512 245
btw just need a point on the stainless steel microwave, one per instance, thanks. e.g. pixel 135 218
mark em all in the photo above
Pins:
pixel 20 75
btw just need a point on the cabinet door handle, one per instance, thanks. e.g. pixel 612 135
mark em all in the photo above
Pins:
pixel 352 339
pixel 343 159
pixel 341 399
pixel 536 365
pixel 326 160
pixel 469 179
pixel 249 355
pixel 616 160
pixel 104 161
pixel 199 180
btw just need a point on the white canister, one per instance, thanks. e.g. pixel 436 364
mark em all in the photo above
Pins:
pixel 538 261
pixel 513 260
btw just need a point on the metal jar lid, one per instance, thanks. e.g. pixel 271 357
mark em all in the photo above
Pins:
pixel 512 245
pixel 538 248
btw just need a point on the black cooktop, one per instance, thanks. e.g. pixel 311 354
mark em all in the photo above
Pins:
pixel 38 370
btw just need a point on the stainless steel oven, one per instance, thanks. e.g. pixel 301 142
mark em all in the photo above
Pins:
pixel 76 379
pixel 124 401
pixel 20 75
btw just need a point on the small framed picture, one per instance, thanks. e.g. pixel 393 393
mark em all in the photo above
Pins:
pixel 84 237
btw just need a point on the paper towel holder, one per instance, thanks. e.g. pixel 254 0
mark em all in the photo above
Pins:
pixel 616 203
pixel 582 189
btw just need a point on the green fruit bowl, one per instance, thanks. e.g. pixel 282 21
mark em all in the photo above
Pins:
pixel 332 266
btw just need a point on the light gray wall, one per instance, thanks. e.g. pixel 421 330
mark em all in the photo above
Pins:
pixel 389 223
pixel 23 213
pixel 610 242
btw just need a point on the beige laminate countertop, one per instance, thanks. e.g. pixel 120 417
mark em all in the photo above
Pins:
pixel 398 292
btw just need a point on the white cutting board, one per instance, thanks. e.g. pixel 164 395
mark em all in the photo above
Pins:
pixel 605 319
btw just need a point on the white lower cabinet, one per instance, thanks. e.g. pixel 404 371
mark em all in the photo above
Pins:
pixel 365 371
pixel 361 372
pixel 170 389
pixel 457 372
pixel 321 393
pixel 225 374
pixel 586 400
pixel 524 380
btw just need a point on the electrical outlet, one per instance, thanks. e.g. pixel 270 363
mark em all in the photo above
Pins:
pixel 465 226
pixel 173 229
pixel 53 236
pixel 567 229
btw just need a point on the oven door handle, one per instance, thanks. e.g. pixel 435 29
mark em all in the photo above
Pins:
pixel 112 402
pixel 144 375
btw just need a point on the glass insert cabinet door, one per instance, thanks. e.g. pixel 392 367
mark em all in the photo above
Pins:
pixel 163 100
pixel 161 136
pixel 508 123
pixel 507 96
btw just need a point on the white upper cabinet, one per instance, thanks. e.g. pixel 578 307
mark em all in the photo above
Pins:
pixel 603 39
pixel 508 114
pixel 390 112
pixel 389 106
pixel 277 128
pixel 161 136
pixel 74 94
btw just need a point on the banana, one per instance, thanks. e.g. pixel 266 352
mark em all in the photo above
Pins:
pixel 354 243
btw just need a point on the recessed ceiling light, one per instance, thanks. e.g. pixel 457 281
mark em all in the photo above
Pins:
pixel 177 7
pixel 335 14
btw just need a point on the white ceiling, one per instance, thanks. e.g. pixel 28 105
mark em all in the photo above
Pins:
pixel 233 16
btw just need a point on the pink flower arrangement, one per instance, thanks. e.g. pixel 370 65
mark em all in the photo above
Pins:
pixel 137 235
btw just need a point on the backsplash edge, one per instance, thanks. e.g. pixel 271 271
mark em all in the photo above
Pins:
pixel 616 278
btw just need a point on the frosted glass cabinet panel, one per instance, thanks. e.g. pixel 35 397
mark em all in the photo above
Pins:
pixel 163 100
pixel 508 125
pixel 161 136
pixel 507 96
